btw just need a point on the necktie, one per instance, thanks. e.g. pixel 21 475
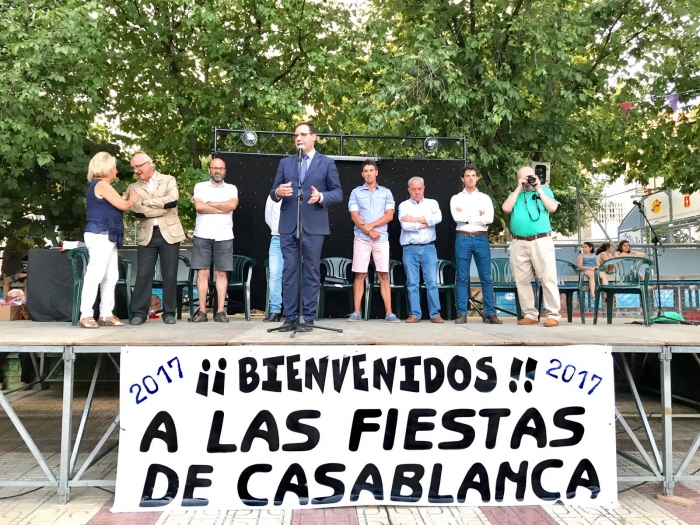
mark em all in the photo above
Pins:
pixel 302 176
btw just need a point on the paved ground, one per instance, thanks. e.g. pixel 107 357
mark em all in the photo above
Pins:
pixel 40 412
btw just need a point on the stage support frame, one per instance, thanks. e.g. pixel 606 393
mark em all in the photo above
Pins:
pixel 658 462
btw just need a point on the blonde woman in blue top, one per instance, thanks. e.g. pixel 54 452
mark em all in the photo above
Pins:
pixel 104 232
pixel 588 262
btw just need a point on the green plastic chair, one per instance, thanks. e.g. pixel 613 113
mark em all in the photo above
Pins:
pixel 631 276
pixel 335 280
pixel 502 278
pixel 79 258
pixel 575 284
pixel 238 279
pixel 396 287
pixel 181 284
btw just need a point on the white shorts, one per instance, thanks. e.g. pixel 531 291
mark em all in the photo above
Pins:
pixel 361 252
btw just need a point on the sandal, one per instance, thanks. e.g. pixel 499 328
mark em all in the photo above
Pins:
pixel 109 321
pixel 88 322
pixel 221 318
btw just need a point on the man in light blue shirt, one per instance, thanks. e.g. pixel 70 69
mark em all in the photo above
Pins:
pixel 371 209
pixel 418 217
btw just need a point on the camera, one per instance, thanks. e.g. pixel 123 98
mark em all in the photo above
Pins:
pixel 531 180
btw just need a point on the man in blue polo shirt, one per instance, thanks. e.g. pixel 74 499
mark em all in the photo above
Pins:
pixel 371 209
pixel 532 249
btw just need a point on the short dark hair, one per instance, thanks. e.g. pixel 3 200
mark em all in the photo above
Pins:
pixel 469 167
pixel 312 129
pixel 368 162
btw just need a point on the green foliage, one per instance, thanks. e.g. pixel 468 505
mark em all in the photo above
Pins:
pixel 50 91
pixel 523 80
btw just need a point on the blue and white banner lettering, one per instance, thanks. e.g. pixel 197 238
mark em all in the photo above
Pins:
pixel 313 426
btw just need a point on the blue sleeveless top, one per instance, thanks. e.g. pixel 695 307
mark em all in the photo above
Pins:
pixel 102 217
pixel 588 260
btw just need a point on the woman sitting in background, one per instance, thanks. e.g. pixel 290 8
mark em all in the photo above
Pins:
pixel 104 231
pixel 623 250
pixel 588 262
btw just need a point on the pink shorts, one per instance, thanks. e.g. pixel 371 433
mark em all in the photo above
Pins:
pixel 361 251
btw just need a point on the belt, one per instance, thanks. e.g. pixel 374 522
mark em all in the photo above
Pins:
pixel 471 234
pixel 424 244
pixel 533 237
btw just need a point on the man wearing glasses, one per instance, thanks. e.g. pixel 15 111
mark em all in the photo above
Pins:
pixel 532 249
pixel 159 234
pixel 214 201
pixel 321 188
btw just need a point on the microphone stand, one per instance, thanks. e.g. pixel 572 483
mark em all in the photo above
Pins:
pixel 660 317
pixel 300 324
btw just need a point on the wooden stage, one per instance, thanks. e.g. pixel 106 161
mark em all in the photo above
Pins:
pixel 621 334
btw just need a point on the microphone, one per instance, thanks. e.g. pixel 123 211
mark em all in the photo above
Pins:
pixel 300 153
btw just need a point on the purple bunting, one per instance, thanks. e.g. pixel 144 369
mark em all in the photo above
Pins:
pixel 672 101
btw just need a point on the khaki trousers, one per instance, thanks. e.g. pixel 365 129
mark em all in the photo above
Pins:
pixel 535 257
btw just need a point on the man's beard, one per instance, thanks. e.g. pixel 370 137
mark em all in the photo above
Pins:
pixel 217 178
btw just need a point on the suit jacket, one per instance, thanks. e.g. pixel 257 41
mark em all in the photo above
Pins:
pixel 322 174
pixel 153 205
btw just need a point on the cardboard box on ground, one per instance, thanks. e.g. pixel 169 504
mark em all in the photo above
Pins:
pixel 10 313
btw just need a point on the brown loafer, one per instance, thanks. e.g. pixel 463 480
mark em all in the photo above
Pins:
pixel 437 319
pixel 527 321
pixel 551 322
pixel 492 319
pixel 461 319
pixel 412 319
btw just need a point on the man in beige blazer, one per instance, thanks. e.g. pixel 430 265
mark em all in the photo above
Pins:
pixel 159 234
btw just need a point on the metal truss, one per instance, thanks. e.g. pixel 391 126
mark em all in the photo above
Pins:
pixel 658 461
pixel 342 145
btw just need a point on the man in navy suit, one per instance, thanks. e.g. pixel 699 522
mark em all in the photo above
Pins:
pixel 321 187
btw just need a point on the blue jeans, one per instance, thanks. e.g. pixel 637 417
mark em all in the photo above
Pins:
pixel 416 258
pixel 276 266
pixel 465 248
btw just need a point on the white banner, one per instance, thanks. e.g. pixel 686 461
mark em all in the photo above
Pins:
pixel 315 426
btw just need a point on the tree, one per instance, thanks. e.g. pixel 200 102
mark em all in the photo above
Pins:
pixel 181 68
pixel 51 89
pixel 523 80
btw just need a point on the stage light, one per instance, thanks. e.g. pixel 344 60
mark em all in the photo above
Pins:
pixel 430 144
pixel 249 138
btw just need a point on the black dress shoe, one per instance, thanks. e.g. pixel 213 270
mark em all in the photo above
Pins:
pixel 461 319
pixel 136 321
pixel 288 326
pixel 169 319
pixel 275 317
pixel 492 319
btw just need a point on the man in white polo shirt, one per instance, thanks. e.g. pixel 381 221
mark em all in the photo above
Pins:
pixel 214 201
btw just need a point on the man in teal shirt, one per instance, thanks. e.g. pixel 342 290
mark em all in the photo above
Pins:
pixel 532 249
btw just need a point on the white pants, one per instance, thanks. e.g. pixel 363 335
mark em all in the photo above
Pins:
pixel 102 272
pixel 535 257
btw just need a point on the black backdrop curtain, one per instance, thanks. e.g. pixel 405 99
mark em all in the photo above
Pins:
pixel 253 175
